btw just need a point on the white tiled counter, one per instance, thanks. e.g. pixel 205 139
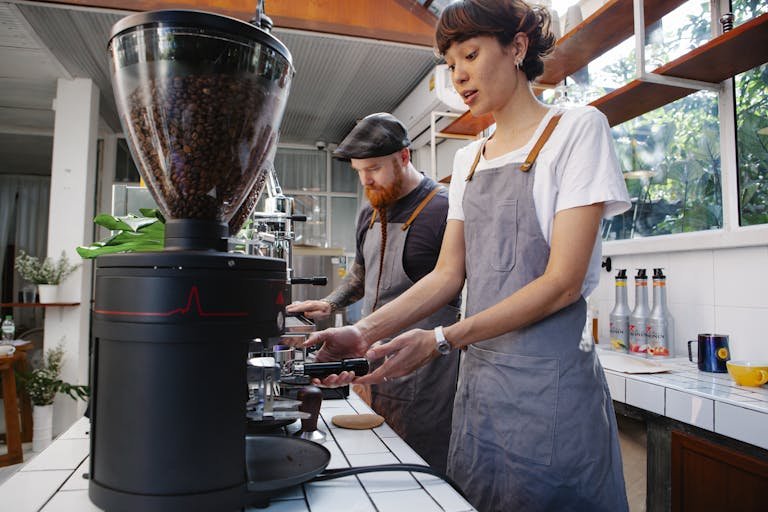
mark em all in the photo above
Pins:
pixel 53 481
pixel 710 401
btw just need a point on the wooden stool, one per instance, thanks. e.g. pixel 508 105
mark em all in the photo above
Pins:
pixel 15 454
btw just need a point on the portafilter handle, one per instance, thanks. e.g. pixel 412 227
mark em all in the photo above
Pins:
pixel 311 398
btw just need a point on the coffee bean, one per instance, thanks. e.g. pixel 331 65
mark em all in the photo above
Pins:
pixel 197 140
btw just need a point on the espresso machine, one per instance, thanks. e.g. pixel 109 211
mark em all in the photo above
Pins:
pixel 200 98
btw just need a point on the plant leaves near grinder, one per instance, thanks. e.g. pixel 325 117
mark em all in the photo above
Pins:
pixel 134 234
pixel 200 97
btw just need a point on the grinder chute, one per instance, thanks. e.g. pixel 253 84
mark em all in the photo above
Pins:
pixel 200 98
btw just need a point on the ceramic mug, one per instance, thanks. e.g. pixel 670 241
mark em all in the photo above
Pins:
pixel 746 373
pixel 7 350
pixel 713 352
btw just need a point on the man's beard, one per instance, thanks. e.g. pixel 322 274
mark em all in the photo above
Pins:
pixel 381 198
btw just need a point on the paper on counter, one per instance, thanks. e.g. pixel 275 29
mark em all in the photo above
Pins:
pixel 629 364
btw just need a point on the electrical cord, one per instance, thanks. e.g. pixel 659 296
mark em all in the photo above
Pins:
pixel 330 474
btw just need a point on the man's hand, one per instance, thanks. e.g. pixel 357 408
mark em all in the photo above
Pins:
pixel 338 343
pixel 312 309
pixel 403 355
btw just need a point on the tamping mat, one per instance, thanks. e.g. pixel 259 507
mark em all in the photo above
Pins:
pixel 357 421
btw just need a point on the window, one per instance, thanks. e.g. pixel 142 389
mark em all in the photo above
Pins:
pixel 324 190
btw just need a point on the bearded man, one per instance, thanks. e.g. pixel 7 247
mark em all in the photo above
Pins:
pixel 399 233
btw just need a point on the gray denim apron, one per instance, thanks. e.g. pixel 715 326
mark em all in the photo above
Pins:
pixel 418 406
pixel 533 426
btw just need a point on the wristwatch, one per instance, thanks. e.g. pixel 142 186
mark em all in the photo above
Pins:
pixel 441 344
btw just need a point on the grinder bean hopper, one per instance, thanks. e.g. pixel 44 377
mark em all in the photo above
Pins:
pixel 200 98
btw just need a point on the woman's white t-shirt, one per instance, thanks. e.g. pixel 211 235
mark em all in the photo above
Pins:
pixel 576 167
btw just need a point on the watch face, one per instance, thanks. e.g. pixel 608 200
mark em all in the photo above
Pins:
pixel 444 347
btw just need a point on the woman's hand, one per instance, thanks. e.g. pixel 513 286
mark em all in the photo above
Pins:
pixel 313 309
pixel 403 355
pixel 338 343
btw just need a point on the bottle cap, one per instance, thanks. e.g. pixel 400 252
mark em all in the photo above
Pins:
pixel 641 274
pixel 622 274
pixel 658 273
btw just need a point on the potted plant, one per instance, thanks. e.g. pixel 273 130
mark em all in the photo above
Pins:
pixel 46 274
pixel 43 384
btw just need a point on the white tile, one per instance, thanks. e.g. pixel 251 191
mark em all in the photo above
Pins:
pixel 294 493
pixel 385 430
pixel 358 441
pixel 337 457
pixel 405 500
pixel 331 409
pixel 742 424
pixel 741 277
pixel 746 328
pixel 690 320
pixel 690 409
pixel 282 506
pixel 76 482
pixel 345 494
pixel 690 278
pixel 617 386
pixel 79 430
pixel 27 491
pixel 61 454
pixel 384 481
pixel 645 396
pixel 447 497
pixel 71 501
pixel 403 451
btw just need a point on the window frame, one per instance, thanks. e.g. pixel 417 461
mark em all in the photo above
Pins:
pixel 732 234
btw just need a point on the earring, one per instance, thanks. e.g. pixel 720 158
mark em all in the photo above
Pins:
pixel 519 63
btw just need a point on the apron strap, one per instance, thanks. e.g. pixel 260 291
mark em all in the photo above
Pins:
pixel 531 158
pixel 420 207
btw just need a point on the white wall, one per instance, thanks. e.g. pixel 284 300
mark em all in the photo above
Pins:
pixel 724 291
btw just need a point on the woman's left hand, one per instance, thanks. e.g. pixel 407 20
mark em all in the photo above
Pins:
pixel 403 355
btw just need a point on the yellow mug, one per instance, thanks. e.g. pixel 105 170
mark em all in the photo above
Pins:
pixel 746 373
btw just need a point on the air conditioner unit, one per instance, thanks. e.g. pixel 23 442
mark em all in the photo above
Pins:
pixel 435 93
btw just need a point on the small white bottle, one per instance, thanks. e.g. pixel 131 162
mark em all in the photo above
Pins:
pixel 638 320
pixel 9 330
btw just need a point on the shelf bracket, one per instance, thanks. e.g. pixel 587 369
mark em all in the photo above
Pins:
pixel 433 134
pixel 685 83
pixel 642 75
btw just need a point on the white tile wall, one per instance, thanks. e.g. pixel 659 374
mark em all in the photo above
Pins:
pixel 690 409
pixel 741 278
pixel 646 396
pixel 742 424
pixel 722 290
pixel 747 330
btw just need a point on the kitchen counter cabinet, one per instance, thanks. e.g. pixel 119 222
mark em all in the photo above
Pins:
pixel 53 480
pixel 684 412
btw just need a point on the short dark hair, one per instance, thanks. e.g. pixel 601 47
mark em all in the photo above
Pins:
pixel 501 19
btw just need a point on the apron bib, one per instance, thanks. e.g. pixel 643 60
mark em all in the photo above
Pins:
pixel 534 425
pixel 418 406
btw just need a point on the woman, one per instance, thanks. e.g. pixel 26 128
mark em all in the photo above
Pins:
pixel 533 425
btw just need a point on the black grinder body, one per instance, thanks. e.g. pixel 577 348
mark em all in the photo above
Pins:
pixel 168 376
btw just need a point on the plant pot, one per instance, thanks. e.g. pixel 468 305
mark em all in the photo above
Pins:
pixel 42 427
pixel 48 293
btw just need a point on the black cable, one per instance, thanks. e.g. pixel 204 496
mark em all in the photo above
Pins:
pixel 330 474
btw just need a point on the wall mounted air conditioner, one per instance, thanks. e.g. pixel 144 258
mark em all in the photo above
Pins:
pixel 435 93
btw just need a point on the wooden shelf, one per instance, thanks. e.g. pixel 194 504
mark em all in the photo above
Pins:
pixel 606 28
pixel 38 304
pixel 725 56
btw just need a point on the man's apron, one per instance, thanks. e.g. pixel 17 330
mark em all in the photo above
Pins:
pixel 533 426
pixel 418 406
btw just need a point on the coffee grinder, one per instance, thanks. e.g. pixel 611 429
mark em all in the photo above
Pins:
pixel 200 98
